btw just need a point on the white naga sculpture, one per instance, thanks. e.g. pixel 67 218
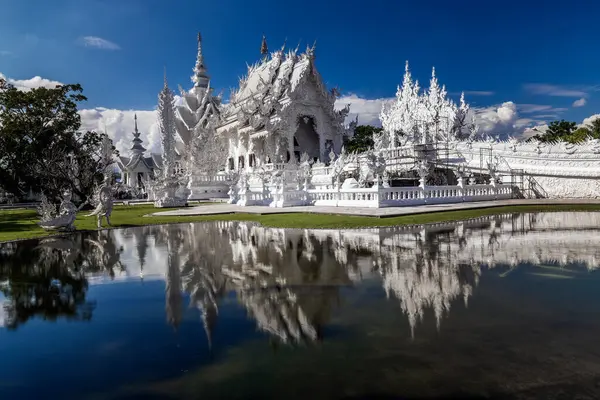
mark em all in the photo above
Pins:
pixel 63 220
pixel 104 198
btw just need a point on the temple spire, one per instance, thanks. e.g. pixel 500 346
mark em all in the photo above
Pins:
pixel 200 77
pixel 264 50
pixel 137 148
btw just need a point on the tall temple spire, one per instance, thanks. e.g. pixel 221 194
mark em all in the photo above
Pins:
pixel 137 148
pixel 200 77
pixel 264 50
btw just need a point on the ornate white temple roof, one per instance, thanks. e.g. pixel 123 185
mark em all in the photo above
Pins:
pixel 271 85
pixel 197 105
pixel 137 154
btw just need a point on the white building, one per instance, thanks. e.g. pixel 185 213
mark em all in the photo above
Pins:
pixel 281 108
pixel 137 168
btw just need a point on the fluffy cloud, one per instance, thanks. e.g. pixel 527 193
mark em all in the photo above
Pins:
pixel 366 110
pixel 98 42
pixel 28 84
pixel 580 103
pixel 119 126
pixel 590 119
pixel 498 120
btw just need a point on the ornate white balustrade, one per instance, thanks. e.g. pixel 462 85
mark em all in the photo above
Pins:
pixel 407 196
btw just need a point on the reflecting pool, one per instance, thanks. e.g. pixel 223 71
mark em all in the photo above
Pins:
pixel 504 306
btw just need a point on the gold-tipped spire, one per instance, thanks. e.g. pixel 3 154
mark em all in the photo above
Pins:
pixel 264 50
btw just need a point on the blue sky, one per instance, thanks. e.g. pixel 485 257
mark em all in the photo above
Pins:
pixel 534 53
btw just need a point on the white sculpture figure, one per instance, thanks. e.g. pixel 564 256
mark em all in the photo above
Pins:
pixel 233 178
pixel 423 172
pixel 64 220
pixel 105 202
pixel 305 171
pixel 338 164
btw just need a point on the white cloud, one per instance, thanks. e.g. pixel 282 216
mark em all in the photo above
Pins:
pixel 99 43
pixel 580 103
pixel 479 93
pixel 536 108
pixel 28 84
pixel 5 53
pixel 590 119
pixel 367 109
pixel 554 90
pixel 497 119
pixel 119 126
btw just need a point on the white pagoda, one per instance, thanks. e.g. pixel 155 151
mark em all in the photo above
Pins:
pixel 281 109
pixel 137 169
pixel 198 104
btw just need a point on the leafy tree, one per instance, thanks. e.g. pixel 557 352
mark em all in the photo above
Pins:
pixel 594 128
pixel 579 135
pixel 362 139
pixel 558 130
pixel 41 146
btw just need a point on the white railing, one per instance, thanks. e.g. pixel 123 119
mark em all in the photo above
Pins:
pixel 253 198
pixel 322 171
pixel 406 196
pixel 222 178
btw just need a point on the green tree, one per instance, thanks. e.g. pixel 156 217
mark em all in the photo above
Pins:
pixel 41 145
pixel 579 135
pixel 557 131
pixel 362 139
pixel 594 128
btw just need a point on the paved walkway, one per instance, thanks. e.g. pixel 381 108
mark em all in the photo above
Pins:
pixel 216 209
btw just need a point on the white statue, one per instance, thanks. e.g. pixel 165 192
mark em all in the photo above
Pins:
pixel 105 202
pixel 63 220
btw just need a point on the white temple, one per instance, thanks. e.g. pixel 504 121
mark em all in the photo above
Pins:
pixel 137 169
pixel 279 142
pixel 281 110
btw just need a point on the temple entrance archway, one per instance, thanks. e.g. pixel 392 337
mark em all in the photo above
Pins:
pixel 306 138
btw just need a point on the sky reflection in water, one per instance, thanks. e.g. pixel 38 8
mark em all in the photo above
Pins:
pixel 499 307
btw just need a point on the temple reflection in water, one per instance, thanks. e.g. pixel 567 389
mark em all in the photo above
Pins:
pixel 289 280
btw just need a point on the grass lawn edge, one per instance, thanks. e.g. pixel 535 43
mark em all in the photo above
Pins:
pixel 22 224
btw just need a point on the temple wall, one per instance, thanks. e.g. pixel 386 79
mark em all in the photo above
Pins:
pixel 562 170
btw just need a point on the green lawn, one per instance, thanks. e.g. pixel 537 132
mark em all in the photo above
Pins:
pixel 21 224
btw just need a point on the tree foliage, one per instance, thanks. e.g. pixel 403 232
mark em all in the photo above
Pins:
pixel 569 132
pixel 362 139
pixel 41 146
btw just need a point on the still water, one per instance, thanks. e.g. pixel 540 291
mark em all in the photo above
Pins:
pixel 499 307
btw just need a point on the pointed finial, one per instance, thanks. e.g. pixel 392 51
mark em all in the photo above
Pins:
pixel 284 44
pixel 406 66
pixel 264 50
pixel 200 60
pixel 433 72
pixel 135 122
pixel 200 77
pixel 165 77
pixel 310 51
